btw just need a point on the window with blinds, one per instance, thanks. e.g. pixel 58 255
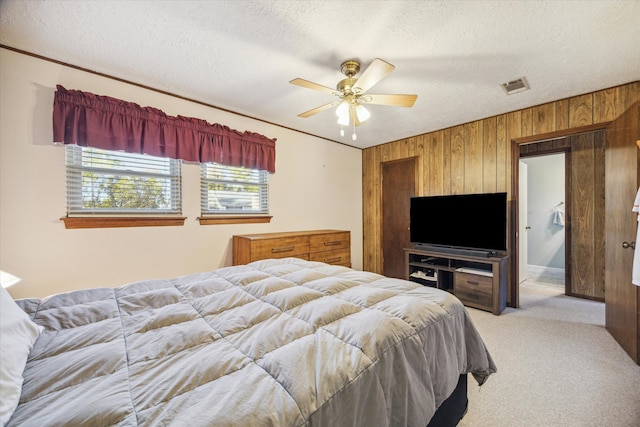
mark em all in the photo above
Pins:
pixel 114 182
pixel 233 190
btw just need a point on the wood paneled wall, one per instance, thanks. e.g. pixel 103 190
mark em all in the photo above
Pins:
pixel 476 157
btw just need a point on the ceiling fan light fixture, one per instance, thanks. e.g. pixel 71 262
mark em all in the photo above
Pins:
pixel 343 120
pixel 362 113
pixel 343 109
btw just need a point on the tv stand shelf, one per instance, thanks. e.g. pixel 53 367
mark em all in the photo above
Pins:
pixel 478 281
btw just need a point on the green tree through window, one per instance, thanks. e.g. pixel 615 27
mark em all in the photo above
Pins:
pixel 116 182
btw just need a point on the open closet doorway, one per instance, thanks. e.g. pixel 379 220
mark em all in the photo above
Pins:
pixel 542 220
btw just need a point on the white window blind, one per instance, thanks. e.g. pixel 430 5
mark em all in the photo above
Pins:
pixel 233 190
pixel 114 182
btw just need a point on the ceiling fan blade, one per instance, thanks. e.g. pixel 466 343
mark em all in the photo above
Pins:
pixel 312 85
pixel 319 109
pixel 392 99
pixel 376 71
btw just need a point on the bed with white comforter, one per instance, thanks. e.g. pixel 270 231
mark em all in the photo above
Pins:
pixel 281 342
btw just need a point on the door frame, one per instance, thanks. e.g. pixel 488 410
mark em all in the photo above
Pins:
pixel 513 213
pixel 523 243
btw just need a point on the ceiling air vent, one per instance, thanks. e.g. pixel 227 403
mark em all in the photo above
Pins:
pixel 515 86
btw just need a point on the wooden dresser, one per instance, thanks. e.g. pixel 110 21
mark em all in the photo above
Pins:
pixel 330 246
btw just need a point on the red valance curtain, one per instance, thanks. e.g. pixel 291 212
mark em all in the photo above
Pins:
pixel 97 121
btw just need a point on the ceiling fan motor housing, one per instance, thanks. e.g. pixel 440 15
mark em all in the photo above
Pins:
pixel 350 67
pixel 345 86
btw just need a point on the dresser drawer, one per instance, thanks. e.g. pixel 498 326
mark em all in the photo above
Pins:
pixel 279 248
pixel 339 256
pixel 329 241
pixel 474 289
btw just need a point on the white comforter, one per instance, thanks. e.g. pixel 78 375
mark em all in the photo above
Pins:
pixel 277 342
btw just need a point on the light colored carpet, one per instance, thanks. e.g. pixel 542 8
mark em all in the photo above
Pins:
pixel 557 366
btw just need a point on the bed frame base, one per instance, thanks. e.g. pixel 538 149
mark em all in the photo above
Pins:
pixel 453 409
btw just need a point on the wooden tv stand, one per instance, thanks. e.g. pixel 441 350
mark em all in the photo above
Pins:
pixel 477 281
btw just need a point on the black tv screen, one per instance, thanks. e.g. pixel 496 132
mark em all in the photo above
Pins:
pixel 475 221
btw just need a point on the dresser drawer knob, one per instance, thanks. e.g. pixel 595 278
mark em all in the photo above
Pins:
pixel 283 249
pixel 330 260
pixel 335 242
pixel 471 282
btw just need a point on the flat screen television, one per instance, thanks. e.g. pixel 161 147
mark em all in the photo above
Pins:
pixel 467 221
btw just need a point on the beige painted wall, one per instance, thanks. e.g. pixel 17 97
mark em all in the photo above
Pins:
pixel 317 185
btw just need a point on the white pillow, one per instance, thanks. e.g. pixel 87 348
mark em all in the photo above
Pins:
pixel 17 335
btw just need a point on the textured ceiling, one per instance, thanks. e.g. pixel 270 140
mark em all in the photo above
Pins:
pixel 241 55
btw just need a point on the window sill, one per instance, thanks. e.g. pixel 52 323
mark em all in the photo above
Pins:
pixel 112 222
pixel 240 219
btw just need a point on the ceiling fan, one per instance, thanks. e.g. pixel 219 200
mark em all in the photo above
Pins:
pixel 351 93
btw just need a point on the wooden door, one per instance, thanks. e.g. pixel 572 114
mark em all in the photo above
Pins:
pixel 398 186
pixel 622 298
pixel 585 203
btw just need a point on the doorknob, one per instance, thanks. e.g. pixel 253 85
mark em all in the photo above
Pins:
pixel 627 245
